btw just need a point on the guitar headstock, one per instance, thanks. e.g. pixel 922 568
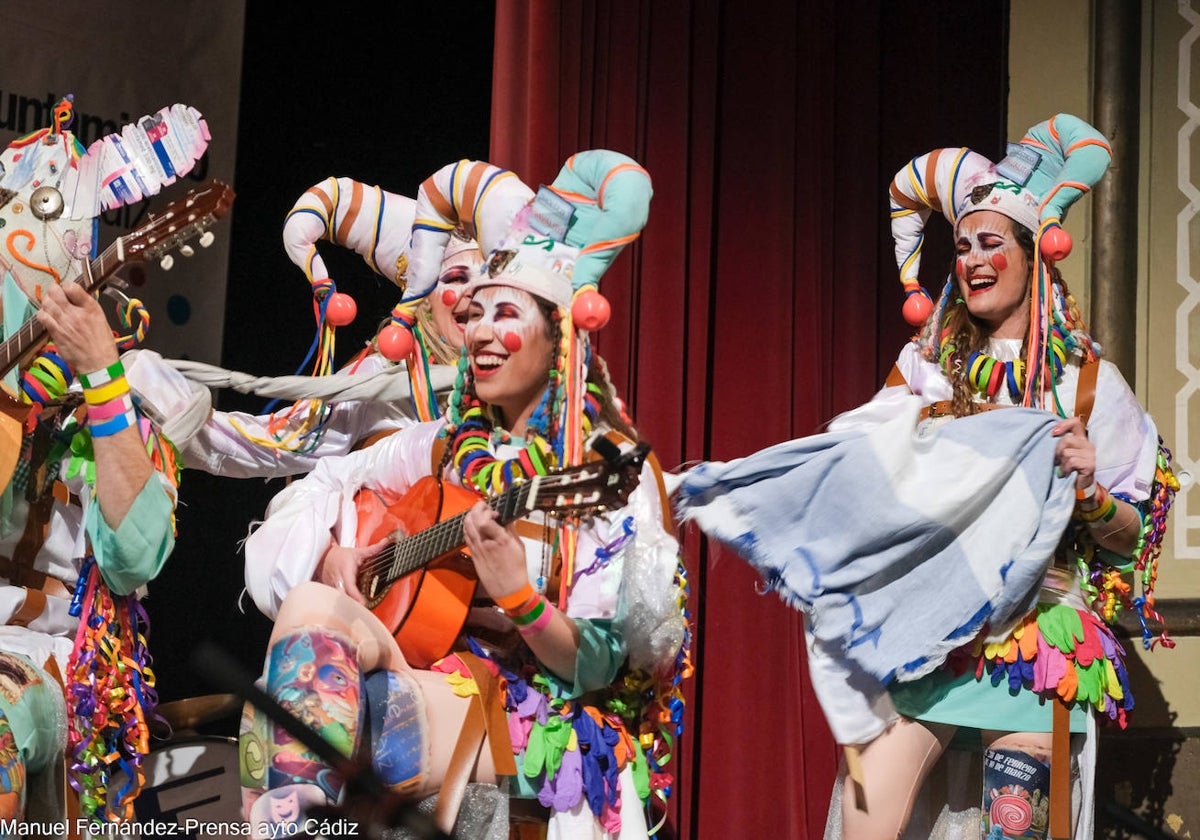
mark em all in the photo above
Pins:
pixel 182 220
pixel 590 488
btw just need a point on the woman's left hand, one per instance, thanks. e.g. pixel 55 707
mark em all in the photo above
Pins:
pixel 498 553
pixel 78 326
pixel 1075 453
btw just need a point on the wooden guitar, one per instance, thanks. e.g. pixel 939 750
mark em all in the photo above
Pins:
pixel 421 586
pixel 182 220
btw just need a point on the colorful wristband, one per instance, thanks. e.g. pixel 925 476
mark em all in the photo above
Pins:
pixel 104 393
pixel 537 626
pixel 1111 511
pixel 110 409
pixel 118 424
pixel 102 377
pixel 515 601
pixel 532 614
pixel 1105 508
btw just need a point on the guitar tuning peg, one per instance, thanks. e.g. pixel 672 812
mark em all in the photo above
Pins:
pixel 166 262
pixel 187 250
pixel 207 238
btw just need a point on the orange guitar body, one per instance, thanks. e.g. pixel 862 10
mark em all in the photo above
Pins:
pixel 12 423
pixel 426 609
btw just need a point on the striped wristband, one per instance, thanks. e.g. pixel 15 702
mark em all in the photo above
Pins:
pixel 110 409
pixel 117 424
pixel 102 377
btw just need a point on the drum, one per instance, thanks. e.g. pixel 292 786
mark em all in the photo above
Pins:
pixel 191 779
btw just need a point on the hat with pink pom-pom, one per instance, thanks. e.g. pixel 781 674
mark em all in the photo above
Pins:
pixel 1037 181
pixel 555 244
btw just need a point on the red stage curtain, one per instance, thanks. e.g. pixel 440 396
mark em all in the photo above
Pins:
pixel 762 297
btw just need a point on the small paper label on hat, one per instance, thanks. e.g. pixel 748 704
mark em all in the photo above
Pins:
pixel 1019 163
pixel 551 214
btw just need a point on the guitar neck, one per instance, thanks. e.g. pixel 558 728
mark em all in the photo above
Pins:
pixel 32 334
pixel 411 553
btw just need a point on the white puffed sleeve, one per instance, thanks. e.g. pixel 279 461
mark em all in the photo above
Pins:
pixel 311 514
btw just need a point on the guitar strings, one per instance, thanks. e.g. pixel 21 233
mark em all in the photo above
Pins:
pixel 399 554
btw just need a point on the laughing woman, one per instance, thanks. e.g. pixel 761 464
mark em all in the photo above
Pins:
pixel 565 618
pixel 1022 520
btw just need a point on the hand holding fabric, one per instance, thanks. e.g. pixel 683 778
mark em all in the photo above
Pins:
pixel 1075 453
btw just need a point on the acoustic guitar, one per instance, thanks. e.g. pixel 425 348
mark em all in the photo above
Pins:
pixel 422 584
pixel 182 220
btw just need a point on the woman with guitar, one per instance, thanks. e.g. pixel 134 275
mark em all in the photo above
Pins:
pixel 584 626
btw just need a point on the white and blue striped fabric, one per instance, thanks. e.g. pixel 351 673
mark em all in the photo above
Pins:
pixel 899 542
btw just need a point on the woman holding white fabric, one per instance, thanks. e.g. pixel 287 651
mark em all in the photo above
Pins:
pixel 979 351
pixel 1018 632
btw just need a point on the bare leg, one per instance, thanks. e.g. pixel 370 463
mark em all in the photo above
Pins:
pixel 314 604
pixel 894 766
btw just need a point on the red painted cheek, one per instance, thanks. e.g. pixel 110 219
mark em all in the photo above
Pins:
pixel 511 342
pixel 999 262
pixel 449 297
pixel 960 268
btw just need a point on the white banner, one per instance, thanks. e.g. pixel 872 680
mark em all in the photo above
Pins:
pixel 122 60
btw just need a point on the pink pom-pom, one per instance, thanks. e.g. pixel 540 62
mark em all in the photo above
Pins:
pixel 395 342
pixel 340 310
pixel 917 308
pixel 590 310
pixel 1055 244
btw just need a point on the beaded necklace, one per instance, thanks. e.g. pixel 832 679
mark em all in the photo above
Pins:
pixel 988 374
pixel 477 467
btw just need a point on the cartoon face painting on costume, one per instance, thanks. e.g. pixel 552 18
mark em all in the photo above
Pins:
pixel 508 344
pixel 993 272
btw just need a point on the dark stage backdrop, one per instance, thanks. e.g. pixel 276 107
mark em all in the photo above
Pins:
pixel 385 98
pixel 761 299
pixel 763 295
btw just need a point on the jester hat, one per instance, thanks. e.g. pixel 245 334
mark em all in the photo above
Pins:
pixel 556 244
pixel 374 223
pixel 1055 163
pixel 52 190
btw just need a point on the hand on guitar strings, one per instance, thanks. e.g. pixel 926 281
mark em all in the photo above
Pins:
pixel 499 559
pixel 497 552
pixel 339 567
pixel 78 327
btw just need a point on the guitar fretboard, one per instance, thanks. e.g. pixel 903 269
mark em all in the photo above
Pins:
pixel 413 552
pixel 31 332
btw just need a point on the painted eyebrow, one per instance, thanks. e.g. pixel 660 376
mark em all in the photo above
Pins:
pixel 454 275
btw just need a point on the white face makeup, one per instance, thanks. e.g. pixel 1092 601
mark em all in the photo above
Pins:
pixel 445 296
pixel 992 272
pixel 511 314
pixel 510 351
